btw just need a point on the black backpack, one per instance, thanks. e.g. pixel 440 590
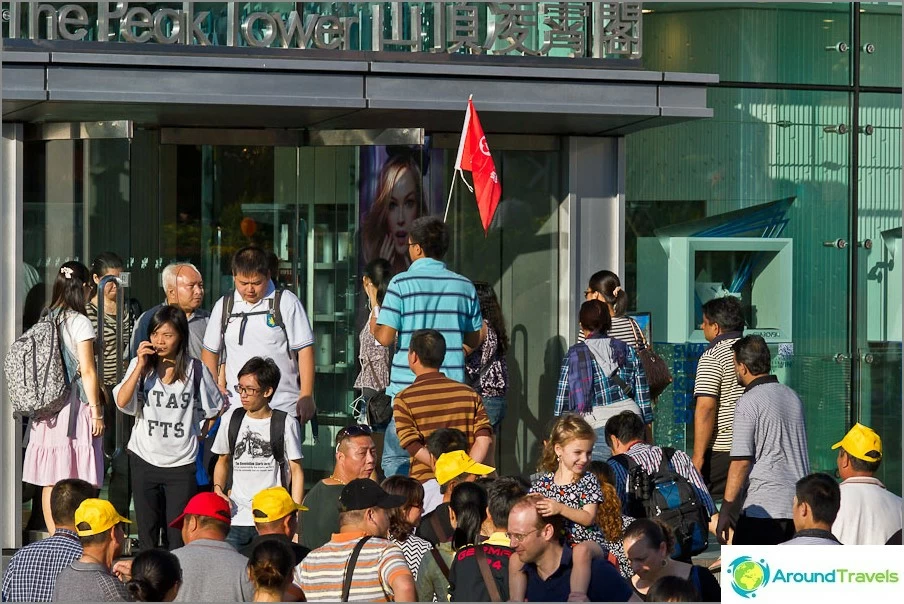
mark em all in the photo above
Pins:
pixel 667 495
pixel 274 309
pixel 277 437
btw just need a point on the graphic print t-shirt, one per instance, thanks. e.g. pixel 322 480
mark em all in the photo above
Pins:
pixel 253 466
pixel 167 423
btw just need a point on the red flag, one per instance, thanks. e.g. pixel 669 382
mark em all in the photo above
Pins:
pixel 474 156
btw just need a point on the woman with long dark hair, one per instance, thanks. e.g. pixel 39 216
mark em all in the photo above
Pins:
pixel 169 393
pixel 403 520
pixel 64 446
pixel 487 371
pixel 374 357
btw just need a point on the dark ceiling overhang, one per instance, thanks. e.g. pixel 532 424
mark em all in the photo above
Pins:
pixel 55 81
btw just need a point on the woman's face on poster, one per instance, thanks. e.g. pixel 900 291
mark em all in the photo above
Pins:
pixel 402 209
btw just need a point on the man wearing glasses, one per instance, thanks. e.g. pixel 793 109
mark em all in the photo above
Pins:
pixel 547 562
pixel 356 457
pixel 258 446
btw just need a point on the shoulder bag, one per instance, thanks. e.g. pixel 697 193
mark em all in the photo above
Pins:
pixel 379 405
pixel 658 375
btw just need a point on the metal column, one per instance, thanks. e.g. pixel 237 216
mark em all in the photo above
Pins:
pixel 592 228
pixel 11 301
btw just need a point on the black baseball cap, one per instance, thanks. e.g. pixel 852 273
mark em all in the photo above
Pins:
pixel 364 493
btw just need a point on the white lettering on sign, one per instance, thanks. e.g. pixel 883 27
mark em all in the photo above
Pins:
pixel 569 29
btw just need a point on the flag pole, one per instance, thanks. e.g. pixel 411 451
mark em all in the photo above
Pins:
pixel 457 159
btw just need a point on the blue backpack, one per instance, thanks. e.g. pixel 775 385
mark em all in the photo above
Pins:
pixel 667 495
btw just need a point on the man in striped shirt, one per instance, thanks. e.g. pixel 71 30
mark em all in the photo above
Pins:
pixel 716 391
pixel 433 402
pixel 769 452
pixel 380 573
pixel 426 296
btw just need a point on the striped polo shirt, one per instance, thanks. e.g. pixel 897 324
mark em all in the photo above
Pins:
pixel 432 402
pixel 429 296
pixel 322 571
pixel 770 431
pixel 716 377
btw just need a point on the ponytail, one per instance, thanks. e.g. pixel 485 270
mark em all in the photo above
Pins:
pixel 469 502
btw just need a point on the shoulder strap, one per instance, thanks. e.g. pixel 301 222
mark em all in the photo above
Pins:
pixel 638 334
pixel 484 565
pixel 226 311
pixel 278 435
pixel 235 423
pixel 666 461
pixel 438 557
pixel 197 372
pixel 276 311
pixel 350 568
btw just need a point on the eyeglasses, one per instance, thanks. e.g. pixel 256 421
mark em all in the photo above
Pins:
pixel 242 390
pixel 352 431
pixel 519 537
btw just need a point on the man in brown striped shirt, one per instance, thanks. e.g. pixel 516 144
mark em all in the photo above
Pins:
pixel 434 401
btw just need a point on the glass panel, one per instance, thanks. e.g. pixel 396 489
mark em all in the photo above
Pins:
pixel 879 302
pixel 76 205
pixel 329 197
pixel 750 42
pixel 519 259
pixel 762 170
pixel 880 26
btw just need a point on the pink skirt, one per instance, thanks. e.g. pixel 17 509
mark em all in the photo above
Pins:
pixel 52 456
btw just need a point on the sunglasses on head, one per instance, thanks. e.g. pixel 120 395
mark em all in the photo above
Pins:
pixel 352 432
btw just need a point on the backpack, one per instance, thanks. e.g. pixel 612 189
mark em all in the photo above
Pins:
pixel 274 310
pixel 277 437
pixel 667 495
pixel 35 371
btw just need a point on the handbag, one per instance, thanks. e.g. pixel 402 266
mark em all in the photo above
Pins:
pixel 379 404
pixel 658 375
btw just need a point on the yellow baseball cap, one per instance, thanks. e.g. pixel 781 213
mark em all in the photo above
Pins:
pixel 455 463
pixel 860 441
pixel 98 515
pixel 272 504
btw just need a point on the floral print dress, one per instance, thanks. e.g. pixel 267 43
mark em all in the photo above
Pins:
pixel 575 495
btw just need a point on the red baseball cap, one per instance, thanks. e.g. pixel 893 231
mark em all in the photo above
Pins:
pixel 205 504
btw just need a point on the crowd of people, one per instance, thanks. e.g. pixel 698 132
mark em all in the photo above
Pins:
pixel 414 509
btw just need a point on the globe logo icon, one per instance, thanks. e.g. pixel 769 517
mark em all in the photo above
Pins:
pixel 748 575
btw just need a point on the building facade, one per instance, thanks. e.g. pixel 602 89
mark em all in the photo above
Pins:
pixel 696 150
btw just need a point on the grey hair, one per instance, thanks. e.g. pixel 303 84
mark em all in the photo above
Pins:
pixel 171 272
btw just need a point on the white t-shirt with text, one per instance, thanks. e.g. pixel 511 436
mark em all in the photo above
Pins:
pixel 167 425
pixel 253 465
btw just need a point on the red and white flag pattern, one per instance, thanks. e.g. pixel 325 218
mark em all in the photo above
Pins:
pixel 474 156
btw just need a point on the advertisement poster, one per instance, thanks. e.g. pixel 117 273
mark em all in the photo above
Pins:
pixel 397 185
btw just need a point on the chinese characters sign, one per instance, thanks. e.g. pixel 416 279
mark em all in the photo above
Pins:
pixel 564 29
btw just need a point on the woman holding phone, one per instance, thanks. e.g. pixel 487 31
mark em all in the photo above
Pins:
pixel 170 394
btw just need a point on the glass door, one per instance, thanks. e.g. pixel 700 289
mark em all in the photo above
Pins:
pixel 296 195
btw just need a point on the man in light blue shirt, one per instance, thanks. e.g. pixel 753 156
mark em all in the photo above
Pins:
pixel 426 296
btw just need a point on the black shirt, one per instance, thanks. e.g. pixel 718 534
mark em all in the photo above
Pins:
pixel 466 583
pixel 300 551
pixel 426 529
